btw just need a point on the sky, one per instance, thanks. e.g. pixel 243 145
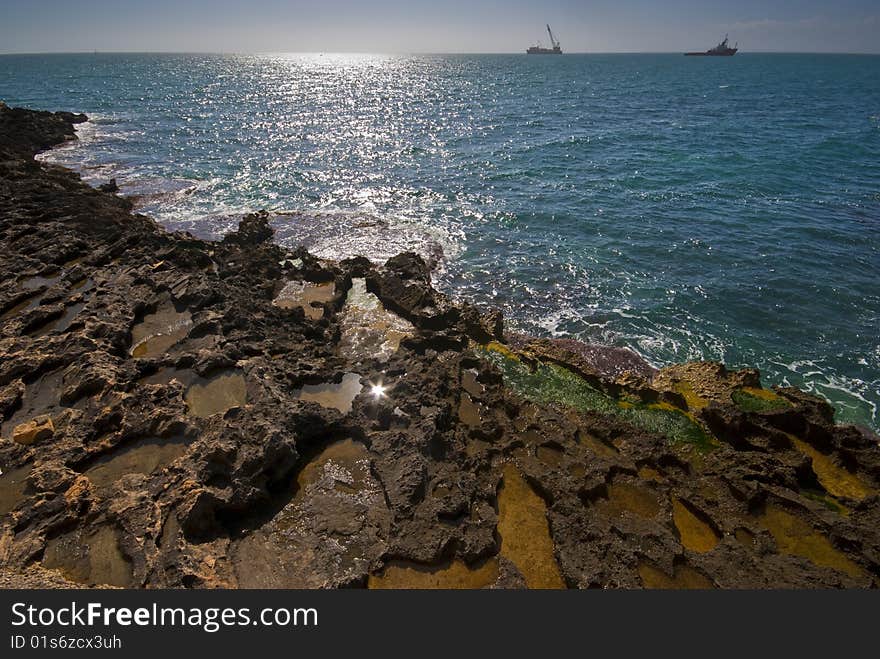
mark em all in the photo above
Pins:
pixel 439 26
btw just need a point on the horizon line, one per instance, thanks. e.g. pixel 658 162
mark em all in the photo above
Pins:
pixel 414 53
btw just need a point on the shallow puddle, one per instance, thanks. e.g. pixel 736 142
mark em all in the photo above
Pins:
pixel 332 525
pixel 347 462
pixel 525 532
pixel 141 457
pixel 337 396
pixel 836 480
pixel 796 537
pixel 528 415
pixel 596 445
pixel 166 374
pixel 470 384
pixel 83 285
pixel 650 474
pixel 91 558
pixel 476 447
pixel 469 412
pixel 36 282
pixel 25 305
pixel 532 437
pixel 40 397
pixel 550 455
pixel 216 394
pixel 577 471
pixel 302 294
pixel 12 488
pixel 685 578
pixel 627 498
pixel 160 330
pixel 368 330
pixel 62 322
pixel 455 575
pixel 696 534
pixel 443 489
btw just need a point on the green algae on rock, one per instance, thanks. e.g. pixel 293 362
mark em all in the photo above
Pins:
pixel 551 383
pixel 753 399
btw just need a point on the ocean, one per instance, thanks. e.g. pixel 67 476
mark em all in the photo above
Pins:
pixel 687 208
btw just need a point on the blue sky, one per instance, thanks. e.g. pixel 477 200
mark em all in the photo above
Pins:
pixel 438 26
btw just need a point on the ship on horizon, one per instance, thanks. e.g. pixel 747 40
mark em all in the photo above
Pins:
pixel 539 50
pixel 721 50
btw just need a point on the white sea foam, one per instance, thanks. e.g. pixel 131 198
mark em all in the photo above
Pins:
pixel 577 223
pixel 340 234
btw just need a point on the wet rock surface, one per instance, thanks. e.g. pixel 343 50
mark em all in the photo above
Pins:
pixel 385 437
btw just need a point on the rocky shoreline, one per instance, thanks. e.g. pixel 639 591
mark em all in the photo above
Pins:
pixel 184 413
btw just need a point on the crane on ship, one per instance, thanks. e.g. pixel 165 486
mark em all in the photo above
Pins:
pixel 555 48
pixel 553 43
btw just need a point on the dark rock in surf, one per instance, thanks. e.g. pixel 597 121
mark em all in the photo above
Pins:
pixel 110 186
pixel 254 229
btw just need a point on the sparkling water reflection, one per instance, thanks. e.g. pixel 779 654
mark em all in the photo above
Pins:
pixel 688 209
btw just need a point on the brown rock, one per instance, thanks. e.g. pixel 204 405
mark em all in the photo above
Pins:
pixel 34 430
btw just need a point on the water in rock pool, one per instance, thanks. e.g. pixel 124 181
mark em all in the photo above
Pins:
pixel 303 294
pixel 329 527
pixel 137 457
pixel 41 397
pixel 215 393
pixel 89 556
pixel 525 541
pixel 336 395
pixel 688 208
pixel 158 331
pixel 369 331
pixel 525 533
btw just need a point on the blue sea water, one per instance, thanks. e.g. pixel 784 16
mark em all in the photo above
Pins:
pixel 689 208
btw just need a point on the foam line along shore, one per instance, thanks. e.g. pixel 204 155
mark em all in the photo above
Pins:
pixel 178 412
